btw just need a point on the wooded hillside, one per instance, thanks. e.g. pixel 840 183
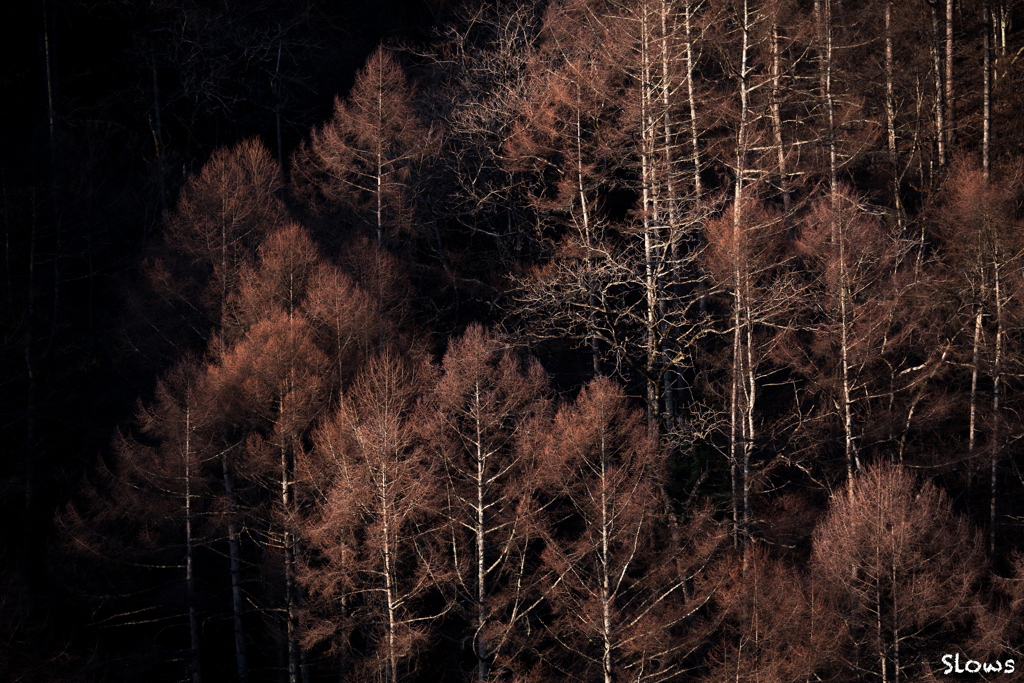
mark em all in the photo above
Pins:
pixel 596 340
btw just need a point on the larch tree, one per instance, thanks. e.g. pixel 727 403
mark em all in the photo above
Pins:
pixel 278 281
pixel 374 551
pixel 567 143
pixel 903 569
pixel 156 508
pixel 365 159
pixel 343 317
pixel 616 592
pixel 266 301
pixel 482 65
pixel 271 379
pixel 482 422
pixel 980 231
pixel 606 133
pixel 780 624
pixel 746 260
pixel 856 357
pixel 270 387
pixel 223 214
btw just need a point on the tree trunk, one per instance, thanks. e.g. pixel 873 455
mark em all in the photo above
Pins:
pixel 193 670
pixel 975 369
pixel 738 409
pixel 987 91
pixel 671 210
pixel 997 387
pixel 158 139
pixel 950 114
pixel 940 121
pixel 277 108
pixel 650 219
pixel 391 674
pixel 776 110
pixel 890 117
pixel 691 96
pixel 288 542
pixel 694 140
pixel 481 560
pixel 234 557
pixel 606 588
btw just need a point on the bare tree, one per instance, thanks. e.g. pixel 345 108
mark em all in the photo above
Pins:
pixel 154 510
pixel 364 159
pixel 746 258
pixel 982 237
pixel 903 567
pixel 483 421
pixel 377 553
pixel 617 595
pixel 781 625
pixel 223 214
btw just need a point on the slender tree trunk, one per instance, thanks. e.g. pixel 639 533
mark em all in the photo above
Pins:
pixel 823 11
pixel 595 357
pixel 940 121
pixel 193 675
pixel 997 388
pixel 975 369
pixel 277 108
pixel 737 403
pixel 288 541
pixel 883 665
pixel 950 113
pixel 691 97
pixel 650 218
pixel 606 588
pixel 694 139
pixel 158 138
pixel 671 201
pixel 234 558
pixel 776 110
pixel 51 115
pixel 482 652
pixel 890 116
pixel 987 91
pixel 391 675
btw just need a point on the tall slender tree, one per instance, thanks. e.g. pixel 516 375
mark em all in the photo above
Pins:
pixel 981 234
pixel 903 567
pixel 483 422
pixel 364 160
pixel 377 553
pixel 617 595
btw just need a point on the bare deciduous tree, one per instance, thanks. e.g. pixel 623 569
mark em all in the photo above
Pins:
pixel 903 568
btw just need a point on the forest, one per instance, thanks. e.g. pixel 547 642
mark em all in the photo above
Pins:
pixel 523 341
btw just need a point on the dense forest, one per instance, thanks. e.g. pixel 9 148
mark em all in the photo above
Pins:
pixel 533 340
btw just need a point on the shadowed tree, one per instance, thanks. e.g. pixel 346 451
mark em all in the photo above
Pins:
pixel 269 389
pixel 223 214
pixel 288 261
pixel 568 144
pixel 343 317
pixel 152 512
pixel 902 568
pixel 365 159
pixel 617 592
pixel 746 257
pixel 981 236
pixel 872 340
pixel 781 625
